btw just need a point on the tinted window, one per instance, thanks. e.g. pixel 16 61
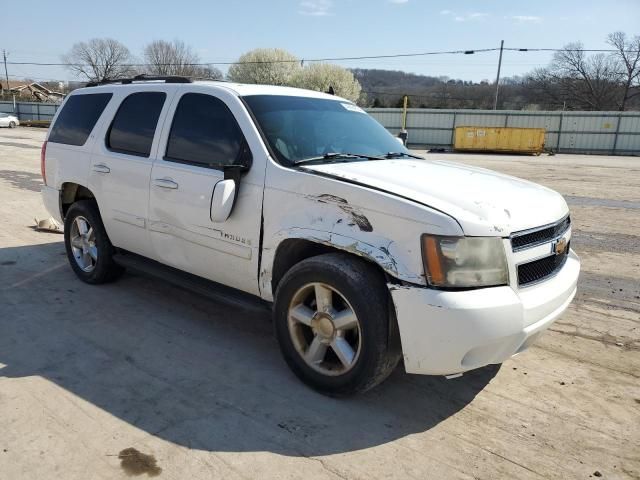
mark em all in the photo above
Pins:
pixel 205 132
pixel 135 123
pixel 78 117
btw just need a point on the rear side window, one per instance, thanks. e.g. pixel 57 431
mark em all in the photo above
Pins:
pixel 134 125
pixel 205 133
pixel 78 117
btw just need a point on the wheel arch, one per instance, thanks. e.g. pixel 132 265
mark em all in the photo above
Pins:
pixel 71 192
pixel 300 245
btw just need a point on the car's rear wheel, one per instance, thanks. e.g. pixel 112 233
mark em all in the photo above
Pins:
pixel 12 124
pixel 88 247
pixel 332 323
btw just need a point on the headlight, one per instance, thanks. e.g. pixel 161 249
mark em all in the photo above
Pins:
pixel 464 262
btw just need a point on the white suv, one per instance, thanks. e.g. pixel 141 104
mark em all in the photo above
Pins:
pixel 301 200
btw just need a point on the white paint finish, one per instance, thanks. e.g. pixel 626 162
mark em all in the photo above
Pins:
pixel 212 238
pixel 445 332
pixel 182 231
pixel 377 210
pixel 243 89
pixel 51 200
pixel 129 219
pixel 123 192
pixel 7 119
pixel 484 203
pixel 542 299
pixel 68 163
pixel 300 204
pixel 224 193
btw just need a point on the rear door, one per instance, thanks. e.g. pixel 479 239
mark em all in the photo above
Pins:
pixel 206 130
pixel 122 160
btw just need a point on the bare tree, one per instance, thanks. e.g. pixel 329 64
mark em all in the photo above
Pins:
pixel 585 82
pixel 627 58
pixel 176 58
pixel 99 59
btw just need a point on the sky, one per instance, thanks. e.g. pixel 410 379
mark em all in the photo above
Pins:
pixel 222 31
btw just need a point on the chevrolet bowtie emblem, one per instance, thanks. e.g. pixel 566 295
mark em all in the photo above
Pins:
pixel 560 246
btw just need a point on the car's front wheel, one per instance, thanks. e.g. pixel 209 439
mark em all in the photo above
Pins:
pixel 12 124
pixel 88 247
pixel 332 323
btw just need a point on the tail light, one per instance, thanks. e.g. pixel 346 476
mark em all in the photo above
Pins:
pixel 43 155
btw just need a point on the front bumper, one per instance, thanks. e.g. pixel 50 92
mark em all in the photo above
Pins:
pixel 447 332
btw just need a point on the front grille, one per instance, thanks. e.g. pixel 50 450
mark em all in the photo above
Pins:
pixel 538 270
pixel 526 239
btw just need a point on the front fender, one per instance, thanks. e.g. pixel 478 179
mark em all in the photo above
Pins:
pixel 375 225
pixel 380 254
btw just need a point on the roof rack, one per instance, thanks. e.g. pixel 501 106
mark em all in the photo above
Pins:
pixel 142 78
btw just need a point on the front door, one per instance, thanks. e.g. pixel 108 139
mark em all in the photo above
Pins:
pixel 202 138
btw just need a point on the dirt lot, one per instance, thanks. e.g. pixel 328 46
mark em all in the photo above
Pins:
pixel 88 373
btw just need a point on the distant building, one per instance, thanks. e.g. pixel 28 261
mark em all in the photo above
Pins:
pixel 37 93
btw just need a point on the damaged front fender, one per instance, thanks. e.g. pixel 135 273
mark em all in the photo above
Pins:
pixel 381 255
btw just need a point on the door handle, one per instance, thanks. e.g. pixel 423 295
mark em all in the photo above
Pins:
pixel 165 183
pixel 101 168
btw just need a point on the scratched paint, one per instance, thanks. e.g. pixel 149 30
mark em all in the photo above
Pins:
pixel 357 217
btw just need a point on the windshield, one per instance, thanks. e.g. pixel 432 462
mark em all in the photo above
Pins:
pixel 299 128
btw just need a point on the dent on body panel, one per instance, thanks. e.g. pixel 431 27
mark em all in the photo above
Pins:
pixel 331 220
pixel 348 228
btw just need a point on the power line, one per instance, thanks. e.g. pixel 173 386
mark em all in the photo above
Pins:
pixel 585 50
pixel 249 62
pixel 336 59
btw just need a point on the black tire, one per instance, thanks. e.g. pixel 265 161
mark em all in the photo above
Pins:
pixel 105 269
pixel 12 124
pixel 364 288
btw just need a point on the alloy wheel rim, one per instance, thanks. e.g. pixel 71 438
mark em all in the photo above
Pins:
pixel 83 244
pixel 324 329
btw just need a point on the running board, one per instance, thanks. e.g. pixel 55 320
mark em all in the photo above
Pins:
pixel 207 288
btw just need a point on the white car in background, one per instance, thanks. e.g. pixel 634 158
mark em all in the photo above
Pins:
pixel 8 120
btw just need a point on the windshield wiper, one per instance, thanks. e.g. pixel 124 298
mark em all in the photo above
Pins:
pixel 337 156
pixel 401 154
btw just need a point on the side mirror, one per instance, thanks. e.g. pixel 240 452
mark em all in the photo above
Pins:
pixel 224 196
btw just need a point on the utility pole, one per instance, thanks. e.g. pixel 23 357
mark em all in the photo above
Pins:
pixel 495 102
pixel 6 74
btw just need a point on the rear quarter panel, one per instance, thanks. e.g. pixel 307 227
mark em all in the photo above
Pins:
pixel 70 163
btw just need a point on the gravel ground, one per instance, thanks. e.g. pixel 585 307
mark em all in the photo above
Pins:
pixel 139 377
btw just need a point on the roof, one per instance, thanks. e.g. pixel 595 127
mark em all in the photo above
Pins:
pixel 245 89
pixel 239 89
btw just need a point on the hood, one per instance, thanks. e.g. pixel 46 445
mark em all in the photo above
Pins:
pixel 484 203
